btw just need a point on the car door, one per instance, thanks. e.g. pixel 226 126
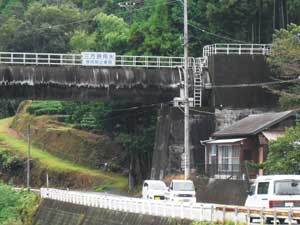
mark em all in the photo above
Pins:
pixel 263 194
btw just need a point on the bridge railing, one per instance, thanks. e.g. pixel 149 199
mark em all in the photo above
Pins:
pixel 39 58
pixel 237 49
pixel 197 211
pixel 76 59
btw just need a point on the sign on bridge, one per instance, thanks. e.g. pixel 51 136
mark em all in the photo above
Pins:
pixel 98 58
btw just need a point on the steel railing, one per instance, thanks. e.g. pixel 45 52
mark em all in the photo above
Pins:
pixel 76 60
pixel 237 49
pixel 196 211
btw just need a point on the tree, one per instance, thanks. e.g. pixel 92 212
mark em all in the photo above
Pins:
pixel 82 41
pixel 7 32
pixel 285 57
pixel 111 33
pixel 284 153
pixel 155 36
pixel 45 29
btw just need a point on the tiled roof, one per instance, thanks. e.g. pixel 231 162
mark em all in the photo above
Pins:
pixel 253 124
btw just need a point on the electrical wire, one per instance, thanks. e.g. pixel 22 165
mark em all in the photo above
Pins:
pixel 256 84
pixel 214 34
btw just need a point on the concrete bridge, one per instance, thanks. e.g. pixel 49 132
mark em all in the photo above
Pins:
pixel 139 78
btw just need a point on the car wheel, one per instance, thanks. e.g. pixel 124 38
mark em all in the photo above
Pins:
pixel 269 221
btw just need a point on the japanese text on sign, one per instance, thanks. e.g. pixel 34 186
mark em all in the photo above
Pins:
pixel 99 58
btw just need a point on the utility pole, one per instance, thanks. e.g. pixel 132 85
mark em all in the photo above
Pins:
pixel 28 157
pixel 186 95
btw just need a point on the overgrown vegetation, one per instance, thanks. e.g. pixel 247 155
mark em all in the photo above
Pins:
pixel 285 57
pixel 150 28
pixel 284 153
pixel 16 207
pixel 87 115
pixel 133 128
pixel 285 63
pixel 18 146
pixel 8 107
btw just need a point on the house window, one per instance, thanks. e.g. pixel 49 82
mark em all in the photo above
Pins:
pixel 229 158
pixel 213 154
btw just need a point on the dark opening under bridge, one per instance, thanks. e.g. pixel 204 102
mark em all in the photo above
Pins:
pixel 140 78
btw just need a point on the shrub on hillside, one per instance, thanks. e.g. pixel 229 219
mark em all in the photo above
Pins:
pixel 46 108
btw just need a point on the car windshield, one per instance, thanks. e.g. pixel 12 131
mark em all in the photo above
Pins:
pixel 184 186
pixel 158 186
pixel 287 187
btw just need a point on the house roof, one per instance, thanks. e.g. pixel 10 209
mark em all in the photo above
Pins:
pixel 253 124
pixel 273 135
pixel 224 141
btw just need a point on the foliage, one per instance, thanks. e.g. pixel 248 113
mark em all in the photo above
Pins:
pixel 89 115
pixel 46 108
pixel 36 31
pixel 285 57
pixel 289 102
pixel 284 153
pixel 46 160
pixel 82 41
pixel 8 107
pixel 108 39
pixel 16 207
pixel 155 36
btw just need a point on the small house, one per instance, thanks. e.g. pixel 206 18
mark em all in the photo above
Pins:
pixel 230 152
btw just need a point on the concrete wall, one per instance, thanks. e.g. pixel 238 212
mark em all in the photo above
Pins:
pixel 169 140
pixel 240 69
pixel 229 192
pixel 76 82
pixel 58 213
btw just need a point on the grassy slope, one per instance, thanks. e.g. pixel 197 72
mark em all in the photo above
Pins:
pixel 45 159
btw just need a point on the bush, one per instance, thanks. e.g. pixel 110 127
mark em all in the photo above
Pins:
pixel 46 108
pixel 284 153
pixel 16 207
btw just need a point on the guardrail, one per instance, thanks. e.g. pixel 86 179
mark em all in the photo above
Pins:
pixel 76 60
pixel 237 49
pixel 196 212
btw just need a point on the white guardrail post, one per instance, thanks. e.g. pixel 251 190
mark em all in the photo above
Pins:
pixel 197 212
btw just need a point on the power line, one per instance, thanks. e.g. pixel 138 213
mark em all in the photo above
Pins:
pixel 256 84
pixel 216 35
pixel 138 107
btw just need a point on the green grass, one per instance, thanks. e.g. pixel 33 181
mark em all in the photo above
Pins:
pixel 54 163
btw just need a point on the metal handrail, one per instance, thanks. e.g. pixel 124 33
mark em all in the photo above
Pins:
pixel 76 60
pixel 239 49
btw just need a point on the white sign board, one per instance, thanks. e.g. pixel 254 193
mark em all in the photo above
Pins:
pixel 98 58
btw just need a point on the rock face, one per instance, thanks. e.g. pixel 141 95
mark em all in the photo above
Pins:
pixel 77 82
pixel 168 149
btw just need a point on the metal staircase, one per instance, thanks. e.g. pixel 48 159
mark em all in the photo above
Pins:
pixel 198 66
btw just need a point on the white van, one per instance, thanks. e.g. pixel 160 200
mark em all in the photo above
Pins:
pixel 181 191
pixel 275 191
pixel 154 189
